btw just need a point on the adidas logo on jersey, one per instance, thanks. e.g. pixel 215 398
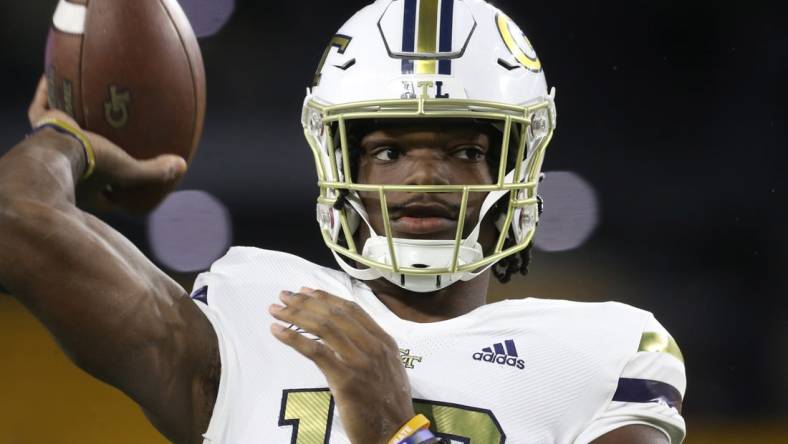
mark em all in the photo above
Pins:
pixel 499 355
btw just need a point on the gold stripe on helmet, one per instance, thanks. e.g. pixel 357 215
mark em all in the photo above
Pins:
pixel 427 37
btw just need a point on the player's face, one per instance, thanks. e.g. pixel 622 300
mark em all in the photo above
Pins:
pixel 424 155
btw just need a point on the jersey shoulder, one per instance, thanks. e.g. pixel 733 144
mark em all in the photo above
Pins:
pixel 257 267
pixel 635 357
pixel 602 336
pixel 611 331
pixel 585 321
pixel 246 280
pixel 260 264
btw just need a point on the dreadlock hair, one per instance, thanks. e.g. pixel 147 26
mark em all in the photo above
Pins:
pixel 505 268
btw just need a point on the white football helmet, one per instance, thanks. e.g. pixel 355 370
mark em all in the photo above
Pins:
pixel 427 59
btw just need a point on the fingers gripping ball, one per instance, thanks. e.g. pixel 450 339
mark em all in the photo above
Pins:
pixel 130 70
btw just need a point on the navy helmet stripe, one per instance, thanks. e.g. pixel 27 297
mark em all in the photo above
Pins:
pixel 409 34
pixel 647 390
pixel 446 35
pixel 511 350
pixel 444 67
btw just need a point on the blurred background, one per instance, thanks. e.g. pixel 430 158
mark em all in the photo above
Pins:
pixel 666 189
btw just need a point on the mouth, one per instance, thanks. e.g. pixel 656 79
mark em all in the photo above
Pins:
pixel 423 225
pixel 424 218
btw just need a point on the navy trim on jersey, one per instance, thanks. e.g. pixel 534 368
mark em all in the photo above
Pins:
pixel 647 390
pixel 447 22
pixel 409 34
pixel 201 295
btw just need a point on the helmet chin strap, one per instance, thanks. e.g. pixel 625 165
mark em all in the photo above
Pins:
pixel 420 253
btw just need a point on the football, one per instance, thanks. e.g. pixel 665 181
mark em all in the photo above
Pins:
pixel 132 71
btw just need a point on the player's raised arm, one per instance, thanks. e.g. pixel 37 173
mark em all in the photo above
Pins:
pixel 113 312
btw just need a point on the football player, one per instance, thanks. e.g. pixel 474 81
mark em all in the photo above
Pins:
pixel 428 121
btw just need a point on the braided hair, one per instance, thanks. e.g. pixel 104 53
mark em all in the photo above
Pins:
pixel 506 267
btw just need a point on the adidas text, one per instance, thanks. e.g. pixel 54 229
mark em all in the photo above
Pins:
pixel 499 359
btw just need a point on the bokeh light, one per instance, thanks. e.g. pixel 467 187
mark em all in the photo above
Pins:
pixel 189 231
pixel 571 212
pixel 208 16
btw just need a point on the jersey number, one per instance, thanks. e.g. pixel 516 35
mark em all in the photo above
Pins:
pixel 311 411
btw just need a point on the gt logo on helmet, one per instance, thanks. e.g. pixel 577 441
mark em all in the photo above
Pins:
pixel 338 41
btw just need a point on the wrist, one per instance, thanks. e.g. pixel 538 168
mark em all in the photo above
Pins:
pixel 69 130
pixel 415 431
pixel 49 140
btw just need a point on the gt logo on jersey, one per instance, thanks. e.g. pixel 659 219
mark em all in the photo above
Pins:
pixel 518 43
pixel 407 359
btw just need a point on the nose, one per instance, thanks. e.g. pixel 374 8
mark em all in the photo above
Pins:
pixel 427 167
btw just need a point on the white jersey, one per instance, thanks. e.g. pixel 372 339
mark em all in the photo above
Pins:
pixel 516 371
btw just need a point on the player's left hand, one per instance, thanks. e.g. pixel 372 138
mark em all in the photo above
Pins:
pixel 361 362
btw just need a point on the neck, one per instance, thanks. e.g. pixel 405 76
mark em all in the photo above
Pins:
pixel 453 301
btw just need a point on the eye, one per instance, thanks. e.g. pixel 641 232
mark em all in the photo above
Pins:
pixel 472 153
pixel 387 154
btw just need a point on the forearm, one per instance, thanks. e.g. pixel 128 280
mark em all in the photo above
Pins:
pixel 114 314
pixel 108 308
pixel 42 168
pixel 65 265
pixel 36 175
